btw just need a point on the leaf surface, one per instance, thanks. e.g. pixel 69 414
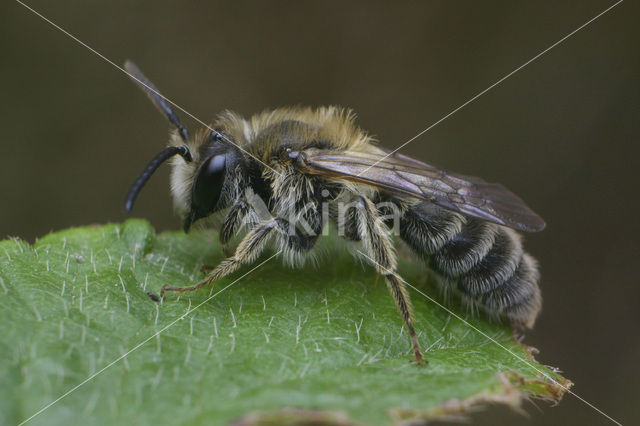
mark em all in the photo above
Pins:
pixel 278 345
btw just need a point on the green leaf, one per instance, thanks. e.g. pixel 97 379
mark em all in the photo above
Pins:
pixel 279 345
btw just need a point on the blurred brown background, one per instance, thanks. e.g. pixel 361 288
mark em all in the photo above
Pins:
pixel 562 132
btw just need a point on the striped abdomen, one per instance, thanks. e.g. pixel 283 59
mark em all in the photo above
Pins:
pixel 485 260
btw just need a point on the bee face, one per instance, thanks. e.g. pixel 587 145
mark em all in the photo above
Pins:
pixel 206 185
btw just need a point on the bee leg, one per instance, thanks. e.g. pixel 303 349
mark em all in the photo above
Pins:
pixel 378 245
pixel 403 302
pixel 375 284
pixel 248 250
pixel 239 210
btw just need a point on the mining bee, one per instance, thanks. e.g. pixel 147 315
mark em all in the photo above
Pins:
pixel 298 161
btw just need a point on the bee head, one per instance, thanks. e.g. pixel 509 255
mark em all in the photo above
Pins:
pixel 203 178
pixel 204 172
pixel 209 184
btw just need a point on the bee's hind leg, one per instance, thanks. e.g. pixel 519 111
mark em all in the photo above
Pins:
pixel 379 252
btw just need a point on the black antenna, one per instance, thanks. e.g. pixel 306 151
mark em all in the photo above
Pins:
pixel 158 100
pixel 153 165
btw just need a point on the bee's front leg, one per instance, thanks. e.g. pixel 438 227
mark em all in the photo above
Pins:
pixel 233 219
pixel 248 250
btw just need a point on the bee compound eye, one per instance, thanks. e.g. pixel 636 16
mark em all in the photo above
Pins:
pixel 208 185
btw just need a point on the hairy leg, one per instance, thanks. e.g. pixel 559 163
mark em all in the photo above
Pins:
pixel 377 243
pixel 237 212
pixel 248 251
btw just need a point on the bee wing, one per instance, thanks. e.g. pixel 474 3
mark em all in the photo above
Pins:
pixel 403 175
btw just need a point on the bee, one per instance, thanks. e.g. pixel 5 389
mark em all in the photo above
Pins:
pixel 299 160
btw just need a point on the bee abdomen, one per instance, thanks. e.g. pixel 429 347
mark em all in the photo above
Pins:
pixel 519 298
pixel 485 260
pixel 473 248
pixel 426 230
pixel 497 266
